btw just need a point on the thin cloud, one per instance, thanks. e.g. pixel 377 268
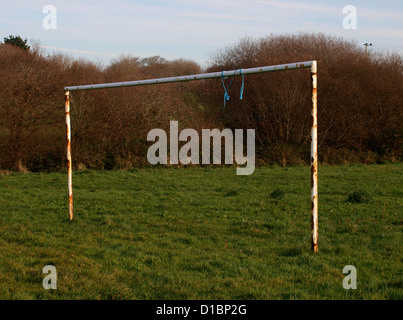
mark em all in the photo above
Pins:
pixel 78 51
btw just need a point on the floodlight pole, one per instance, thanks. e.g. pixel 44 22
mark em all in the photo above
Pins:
pixel 366 47
pixel 238 72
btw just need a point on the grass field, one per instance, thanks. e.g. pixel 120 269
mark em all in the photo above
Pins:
pixel 201 233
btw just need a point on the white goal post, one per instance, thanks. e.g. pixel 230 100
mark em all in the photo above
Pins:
pixel 290 66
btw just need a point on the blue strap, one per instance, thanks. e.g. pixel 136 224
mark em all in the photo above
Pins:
pixel 243 82
pixel 226 96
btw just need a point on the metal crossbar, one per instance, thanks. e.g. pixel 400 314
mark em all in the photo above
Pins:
pixel 201 76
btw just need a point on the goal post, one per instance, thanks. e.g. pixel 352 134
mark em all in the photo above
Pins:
pixel 239 72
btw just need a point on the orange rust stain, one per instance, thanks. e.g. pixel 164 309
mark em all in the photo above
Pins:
pixel 70 207
pixel 313 170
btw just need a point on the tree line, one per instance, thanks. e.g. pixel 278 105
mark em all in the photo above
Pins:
pixel 359 104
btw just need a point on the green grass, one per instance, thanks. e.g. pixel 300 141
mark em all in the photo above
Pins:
pixel 201 233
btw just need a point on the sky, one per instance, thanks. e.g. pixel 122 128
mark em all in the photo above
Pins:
pixel 101 30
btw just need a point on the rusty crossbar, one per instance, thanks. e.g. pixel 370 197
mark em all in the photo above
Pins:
pixel 290 66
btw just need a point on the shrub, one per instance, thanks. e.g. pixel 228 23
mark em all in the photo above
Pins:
pixel 359 196
pixel 277 194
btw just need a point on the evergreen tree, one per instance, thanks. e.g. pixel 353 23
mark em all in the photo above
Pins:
pixel 17 41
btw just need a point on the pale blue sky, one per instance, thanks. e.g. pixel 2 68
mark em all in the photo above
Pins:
pixel 101 30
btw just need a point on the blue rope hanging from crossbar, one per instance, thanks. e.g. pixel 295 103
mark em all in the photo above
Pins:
pixel 226 96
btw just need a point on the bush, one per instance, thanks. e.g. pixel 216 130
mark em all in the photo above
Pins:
pixel 277 194
pixel 359 196
pixel 359 111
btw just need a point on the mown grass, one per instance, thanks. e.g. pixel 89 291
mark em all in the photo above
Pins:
pixel 201 233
